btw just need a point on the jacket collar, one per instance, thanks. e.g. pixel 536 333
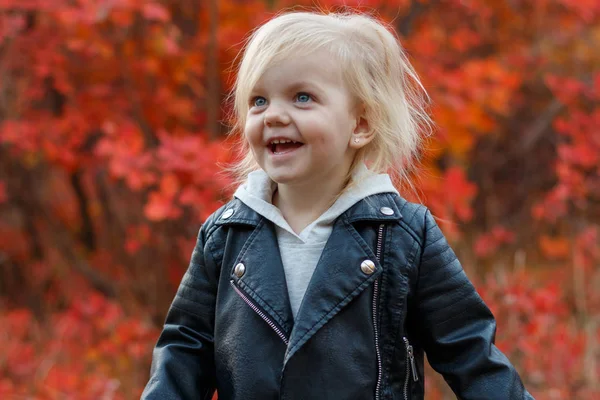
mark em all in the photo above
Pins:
pixel 375 208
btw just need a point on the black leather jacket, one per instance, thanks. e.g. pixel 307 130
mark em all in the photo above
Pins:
pixel 387 289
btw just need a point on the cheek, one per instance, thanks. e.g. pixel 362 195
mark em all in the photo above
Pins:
pixel 252 130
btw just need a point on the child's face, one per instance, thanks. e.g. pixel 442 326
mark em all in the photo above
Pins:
pixel 302 99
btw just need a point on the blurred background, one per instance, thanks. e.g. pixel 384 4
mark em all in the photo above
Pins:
pixel 113 123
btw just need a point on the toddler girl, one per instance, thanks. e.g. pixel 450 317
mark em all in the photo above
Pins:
pixel 318 280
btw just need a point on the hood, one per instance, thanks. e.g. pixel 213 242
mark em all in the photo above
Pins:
pixel 257 193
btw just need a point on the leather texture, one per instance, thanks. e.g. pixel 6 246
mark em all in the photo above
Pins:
pixel 235 332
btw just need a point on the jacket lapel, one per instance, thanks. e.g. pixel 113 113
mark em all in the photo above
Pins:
pixel 337 280
pixel 264 278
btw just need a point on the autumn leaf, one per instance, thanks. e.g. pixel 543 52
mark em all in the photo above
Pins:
pixel 487 244
pixel 158 207
pixel 458 192
pixel 555 247
pixel 155 12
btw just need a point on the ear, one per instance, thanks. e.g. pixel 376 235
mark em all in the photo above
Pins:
pixel 362 132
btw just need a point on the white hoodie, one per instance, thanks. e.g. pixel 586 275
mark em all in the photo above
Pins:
pixel 300 253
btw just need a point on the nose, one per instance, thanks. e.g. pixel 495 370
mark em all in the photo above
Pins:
pixel 276 115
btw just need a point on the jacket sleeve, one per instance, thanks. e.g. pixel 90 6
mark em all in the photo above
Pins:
pixel 457 328
pixel 183 360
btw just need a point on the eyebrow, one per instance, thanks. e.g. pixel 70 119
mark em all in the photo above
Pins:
pixel 311 87
pixel 299 84
pixel 291 87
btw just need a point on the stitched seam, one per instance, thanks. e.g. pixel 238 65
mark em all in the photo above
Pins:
pixel 188 311
pixel 404 205
pixel 212 229
pixel 453 275
pixel 211 250
pixel 438 268
pixel 395 330
pixel 413 253
pixel 432 243
pixel 458 288
pixel 364 218
pixel 456 273
pixel 413 216
pixel 466 309
pixel 212 221
pixel 190 286
pixel 410 231
pixel 405 224
pixel 435 255
pixel 430 228
pixel 236 220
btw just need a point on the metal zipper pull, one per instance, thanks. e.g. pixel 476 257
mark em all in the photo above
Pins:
pixel 411 358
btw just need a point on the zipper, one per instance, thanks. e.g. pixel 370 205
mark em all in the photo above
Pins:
pixel 410 358
pixel 375 298
pixel 261 314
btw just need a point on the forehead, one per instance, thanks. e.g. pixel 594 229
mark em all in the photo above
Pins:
pixel 317 68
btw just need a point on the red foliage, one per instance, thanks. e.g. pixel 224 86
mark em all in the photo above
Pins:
pixel 110 160
pixel 88 351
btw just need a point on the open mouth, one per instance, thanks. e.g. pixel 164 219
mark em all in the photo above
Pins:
pixel 283 146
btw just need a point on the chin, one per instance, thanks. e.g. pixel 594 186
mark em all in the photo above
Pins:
pixel 283 178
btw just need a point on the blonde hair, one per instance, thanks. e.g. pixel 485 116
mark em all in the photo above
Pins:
pixel 375 68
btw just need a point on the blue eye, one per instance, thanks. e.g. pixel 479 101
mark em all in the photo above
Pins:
pixel 303 97
pixel 258 101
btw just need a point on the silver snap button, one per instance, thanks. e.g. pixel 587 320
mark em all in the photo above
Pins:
pixel 368 267
pixel 228 213
pixel 386 211
pixel 239 270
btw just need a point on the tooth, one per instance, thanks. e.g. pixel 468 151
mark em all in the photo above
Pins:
pixel 282 141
